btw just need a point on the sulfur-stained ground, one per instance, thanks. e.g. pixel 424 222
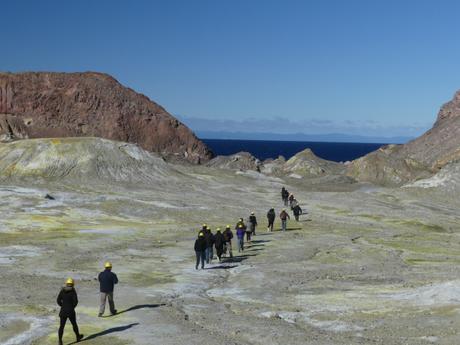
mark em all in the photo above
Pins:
pixel 365 266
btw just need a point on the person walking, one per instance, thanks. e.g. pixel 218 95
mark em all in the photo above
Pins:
pixel 67 299
pixel 291 199
pixel 248 232
pixel 228 235
pixel 297 211
pixel 284 216
pixel 219 241
pixel 200 250
pixel 271 215
pixel 240 231
pixel 253 223
pixel 284 196
pixel 107 280
pixel 209 237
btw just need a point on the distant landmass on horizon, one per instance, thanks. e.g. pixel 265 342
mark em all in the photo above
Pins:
pixel 332 137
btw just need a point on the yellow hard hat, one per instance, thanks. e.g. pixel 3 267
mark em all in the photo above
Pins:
pixel 205 225
pixel 218 229
pixel 252 213
pixel 69 282
pixel 200 234
pixel 108 265
pixel 228 226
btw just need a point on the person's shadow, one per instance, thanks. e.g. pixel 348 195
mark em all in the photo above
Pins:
pixel 140 306
pixel 108 331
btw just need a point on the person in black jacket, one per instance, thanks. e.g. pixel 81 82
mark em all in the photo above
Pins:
pixel 284 196
pixel 107 280
pixel 209 237
pixel 219 241
pixel 200 250
pixel 68 300
pixel 271 215
pixel 228 235
pixel 252 223
pixel 297 212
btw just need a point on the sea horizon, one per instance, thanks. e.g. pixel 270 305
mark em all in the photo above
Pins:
pixel 272 149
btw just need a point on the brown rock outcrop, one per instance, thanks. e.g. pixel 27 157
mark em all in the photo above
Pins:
pixel 420 158
pixel 11 128
pixel 95 105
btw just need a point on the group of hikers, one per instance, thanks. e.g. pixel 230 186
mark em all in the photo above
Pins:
pixel 204 249
pixel 289 199
pixel 222 241
pixel 68 300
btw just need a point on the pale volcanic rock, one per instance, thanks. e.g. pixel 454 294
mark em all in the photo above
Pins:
pixel 95 105
pixel 418 159
pixel 238 161
pixel 307 164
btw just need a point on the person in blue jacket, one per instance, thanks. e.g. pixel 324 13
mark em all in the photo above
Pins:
pixel 107 280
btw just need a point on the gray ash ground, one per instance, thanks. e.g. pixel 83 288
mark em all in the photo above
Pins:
pixel 366 265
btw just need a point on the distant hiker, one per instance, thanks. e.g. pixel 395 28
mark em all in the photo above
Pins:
pixel 240 222
pixel 252 223
pixel 228 235
pixel 200 250
pixel 294 203
pixel 240 231
pixel 219 241
pixel 284 196
pixel 209 237
pixel 284 216
pixel 297 212
pixel 291 199
pixel 107 280
pixel 271 215
pixel 68 300
pixel 49 197
pixel 248 232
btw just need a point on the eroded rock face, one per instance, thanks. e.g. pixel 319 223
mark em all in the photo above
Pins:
pixel 87 160
pixel 418 159
pixel 238 161
pixel 12 128
pixel 95 105
pixel 307 164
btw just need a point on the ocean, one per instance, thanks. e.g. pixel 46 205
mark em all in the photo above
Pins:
pixel 264 149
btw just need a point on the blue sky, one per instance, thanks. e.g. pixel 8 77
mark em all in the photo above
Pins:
pixel 358 67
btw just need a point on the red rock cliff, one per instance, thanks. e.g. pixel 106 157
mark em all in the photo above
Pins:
pixel 95 104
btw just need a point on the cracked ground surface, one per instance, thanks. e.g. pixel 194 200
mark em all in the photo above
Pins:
pixel 365 266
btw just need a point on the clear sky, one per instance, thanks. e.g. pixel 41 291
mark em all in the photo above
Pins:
pixel 359 67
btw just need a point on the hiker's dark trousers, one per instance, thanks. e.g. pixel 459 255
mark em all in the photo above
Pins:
pixel 73 319
pixel 200 257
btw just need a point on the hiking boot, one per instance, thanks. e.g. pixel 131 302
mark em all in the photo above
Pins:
pixel 99 315
pixel 114 312
pixel 79 337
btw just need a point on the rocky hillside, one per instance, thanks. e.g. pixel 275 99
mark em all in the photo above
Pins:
pixel 418 159
pixel 238 161
pixel 307 164
pixel 85 160
pixel 93 105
